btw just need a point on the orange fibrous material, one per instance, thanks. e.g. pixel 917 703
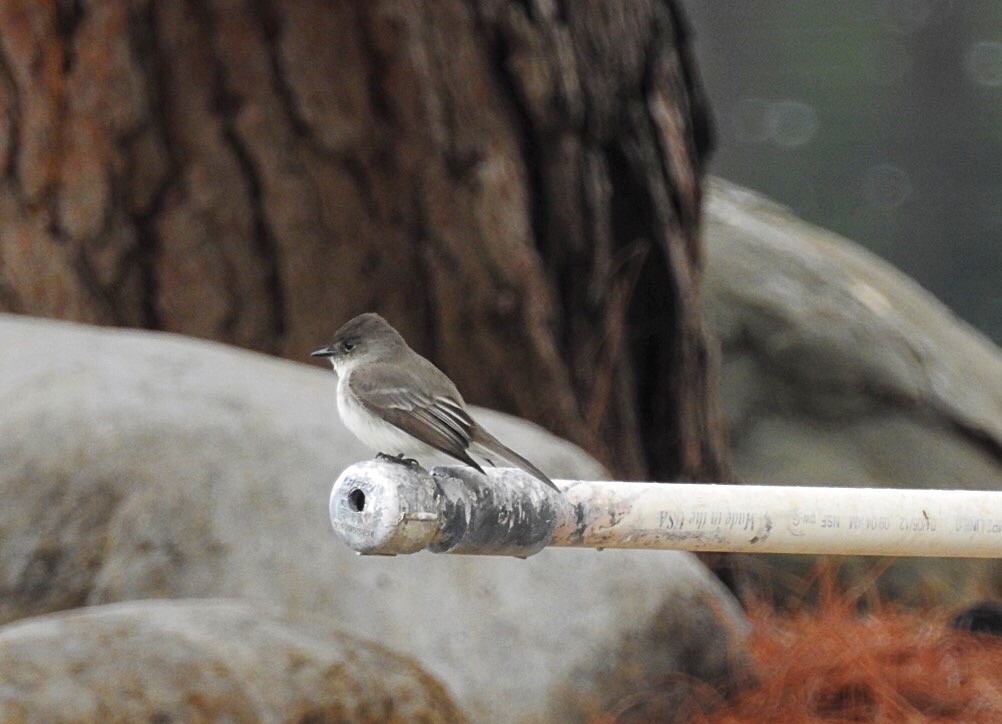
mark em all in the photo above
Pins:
pixel 834 664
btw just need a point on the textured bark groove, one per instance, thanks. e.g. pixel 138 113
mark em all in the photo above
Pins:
pixel 516 185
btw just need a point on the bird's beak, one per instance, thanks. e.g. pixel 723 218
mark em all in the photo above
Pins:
pixel 325 352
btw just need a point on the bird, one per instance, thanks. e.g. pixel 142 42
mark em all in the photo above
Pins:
pixel 399 404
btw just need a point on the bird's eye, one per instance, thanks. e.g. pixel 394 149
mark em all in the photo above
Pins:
pixel 349 346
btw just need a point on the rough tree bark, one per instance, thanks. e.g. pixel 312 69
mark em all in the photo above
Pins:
pixel 516 185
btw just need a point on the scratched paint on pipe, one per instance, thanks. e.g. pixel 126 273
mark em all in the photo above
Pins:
pixel 509 513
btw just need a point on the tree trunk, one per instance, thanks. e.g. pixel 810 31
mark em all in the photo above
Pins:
pixel 515 185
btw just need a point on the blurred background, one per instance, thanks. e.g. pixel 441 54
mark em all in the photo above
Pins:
pixel 881 121
pixel 521 189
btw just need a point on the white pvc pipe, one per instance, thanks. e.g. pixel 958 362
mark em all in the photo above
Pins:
pixel 385 508
pixel 784 519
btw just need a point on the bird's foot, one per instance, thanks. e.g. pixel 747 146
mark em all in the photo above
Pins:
pixel 398 458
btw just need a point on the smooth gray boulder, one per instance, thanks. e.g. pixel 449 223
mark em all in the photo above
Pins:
pixel 204 661
pixel 840 370
pixel 140 465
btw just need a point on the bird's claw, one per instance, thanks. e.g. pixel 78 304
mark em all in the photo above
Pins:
pixel 398 458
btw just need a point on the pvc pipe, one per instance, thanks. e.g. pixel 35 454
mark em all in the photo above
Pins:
pixel 385 508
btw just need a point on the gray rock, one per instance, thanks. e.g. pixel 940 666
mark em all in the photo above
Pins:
pixel 208 661
pixel 141 465
pixel 839 370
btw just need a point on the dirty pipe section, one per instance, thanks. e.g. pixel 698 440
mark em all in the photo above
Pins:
pixel 385 508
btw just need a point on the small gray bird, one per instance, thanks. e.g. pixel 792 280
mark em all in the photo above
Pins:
pixel 397 402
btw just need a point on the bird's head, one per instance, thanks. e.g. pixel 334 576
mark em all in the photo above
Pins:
pixel 364 339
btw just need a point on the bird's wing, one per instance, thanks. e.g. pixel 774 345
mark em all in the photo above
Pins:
pixel 399 397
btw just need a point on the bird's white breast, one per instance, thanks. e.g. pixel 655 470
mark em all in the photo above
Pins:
pixel 373 431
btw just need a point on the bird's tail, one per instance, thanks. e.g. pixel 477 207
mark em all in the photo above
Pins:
pixel 488 442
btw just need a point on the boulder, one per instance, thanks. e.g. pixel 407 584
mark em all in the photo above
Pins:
pixel 145 465
pixel 204 661
pixel 837 369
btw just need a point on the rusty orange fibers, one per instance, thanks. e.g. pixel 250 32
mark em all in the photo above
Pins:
pixel 833 664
